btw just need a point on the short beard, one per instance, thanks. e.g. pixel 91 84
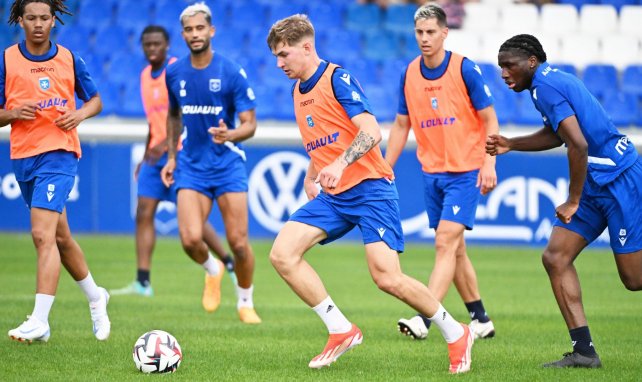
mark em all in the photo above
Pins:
pixel 206 46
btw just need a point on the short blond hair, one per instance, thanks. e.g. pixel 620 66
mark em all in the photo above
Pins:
pixel 290 30
pixel 194 9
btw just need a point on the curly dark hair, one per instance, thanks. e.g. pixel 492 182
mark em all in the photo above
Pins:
pixel 526 44
pixel 18 9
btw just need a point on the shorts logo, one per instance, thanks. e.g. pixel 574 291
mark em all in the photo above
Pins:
pixel 183 92
pixel 433 102
pixel 381 231
pixel 44 83
pixel 456 209
pixel 622 237
pixel 215 85
pixel 50 191
pixel 308 118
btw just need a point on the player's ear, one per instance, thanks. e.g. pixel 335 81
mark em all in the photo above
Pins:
pixel 212 31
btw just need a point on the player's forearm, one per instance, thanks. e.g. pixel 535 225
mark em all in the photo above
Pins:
pixel 396 142
pixel 7 116
pixel 577 161
pixel 362 143
pixel 173 132
pixel 543 139
pixel 244 131
pixel 491 126
pixel 91 107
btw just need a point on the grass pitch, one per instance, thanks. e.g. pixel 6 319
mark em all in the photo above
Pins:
pixel 216 347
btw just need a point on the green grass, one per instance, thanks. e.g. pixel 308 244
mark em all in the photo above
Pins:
pixel 516 292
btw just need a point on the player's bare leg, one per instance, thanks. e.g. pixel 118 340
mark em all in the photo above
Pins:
pixel 192 211
pixel 233 207
pixel 629 266
pixel 563 248
pixel 216 247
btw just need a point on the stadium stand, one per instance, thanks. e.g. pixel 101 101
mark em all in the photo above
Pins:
pixel 598 40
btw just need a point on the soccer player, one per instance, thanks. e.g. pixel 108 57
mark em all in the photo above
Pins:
pixel 38 80
pixel 444 98
pixel 151 190
pixel 605 182
pixel 341 135
pixel 206 90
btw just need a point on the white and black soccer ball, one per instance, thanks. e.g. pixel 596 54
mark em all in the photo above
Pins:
pixel 157 352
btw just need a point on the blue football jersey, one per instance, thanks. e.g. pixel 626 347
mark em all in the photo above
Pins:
pixel 558 95
pixel 204 96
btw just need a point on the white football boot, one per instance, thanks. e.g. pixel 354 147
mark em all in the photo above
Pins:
pixel 413 327
pixel 31 330
pixel 98 310
pixel 482 329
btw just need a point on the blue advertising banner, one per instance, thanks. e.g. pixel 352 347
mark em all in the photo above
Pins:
pixel 521 210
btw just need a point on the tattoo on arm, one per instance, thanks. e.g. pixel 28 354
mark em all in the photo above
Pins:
pixel 361 144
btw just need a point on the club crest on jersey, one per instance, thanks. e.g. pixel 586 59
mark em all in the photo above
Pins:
pixel 433 102
pixel 308 118
pixel 44 83
pixel 215 85
pixel 182 92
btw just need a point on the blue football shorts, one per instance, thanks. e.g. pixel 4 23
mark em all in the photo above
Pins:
pixel 615 205
pixel 378 220
pixel 150 184
pixel 232 179
pixel 451 196
pixel 46 180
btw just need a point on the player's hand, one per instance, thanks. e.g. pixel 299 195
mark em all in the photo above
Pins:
pixel 330 175
pixel 486 178
pixel 497 145
pixel 565 211
pixel 167 173
pixel 220 134
pixel 69 119
pixel 311 188
pixel 26 112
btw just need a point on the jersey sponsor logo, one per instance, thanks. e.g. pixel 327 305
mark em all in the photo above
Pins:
pixel 432 88
pixel 308 119
pixel 433 103
pixel 356 96
pixel 437 122
pixel 200 109
pixel 345 77
pixel 215 85
pixel 306 102
pixel 44 83
pixel 320 142
pixel 52 102
pixel 42 69
pixel 272 202
pixel 182 92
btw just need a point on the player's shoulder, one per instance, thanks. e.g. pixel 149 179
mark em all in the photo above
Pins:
pixel 176 66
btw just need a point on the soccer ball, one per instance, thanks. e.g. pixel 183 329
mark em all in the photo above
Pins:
pixel 157 352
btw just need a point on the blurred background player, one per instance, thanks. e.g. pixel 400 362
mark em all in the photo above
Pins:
pixel 206 90
pixel 341 135
pixel 605 187
pixel 38 80
pixel 151 190
pixel 444 99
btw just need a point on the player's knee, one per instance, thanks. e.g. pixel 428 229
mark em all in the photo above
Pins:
pixel 240 249
pixel 144 214
pixel 552 260
pixel 281 261
pixel 190 242
pixel 632 283
pixel 389 283
pixel 41 237
pixel 63 241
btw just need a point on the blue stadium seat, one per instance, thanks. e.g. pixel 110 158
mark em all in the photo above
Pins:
pixel 621 107
pixel 110 96
pixel 124 67
pixel 632 80
pixel 399 18
pixel 505 107
pixel 365 71
pixel 391 71
pixel 339 46
pixel 75 37
pixel 600 79
pixel 264 105
pixel 278 11
pixel 231 42
pixel 363 17
pixel 132 103
pixel 167 14
pixel 409 48
pixel 382 102
pixel 112 38
pixel 249 13
pixel 492 75
pixel 325 16
pixel 135 15
pixel 381 46
pixel 618 4
pixel 96 13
